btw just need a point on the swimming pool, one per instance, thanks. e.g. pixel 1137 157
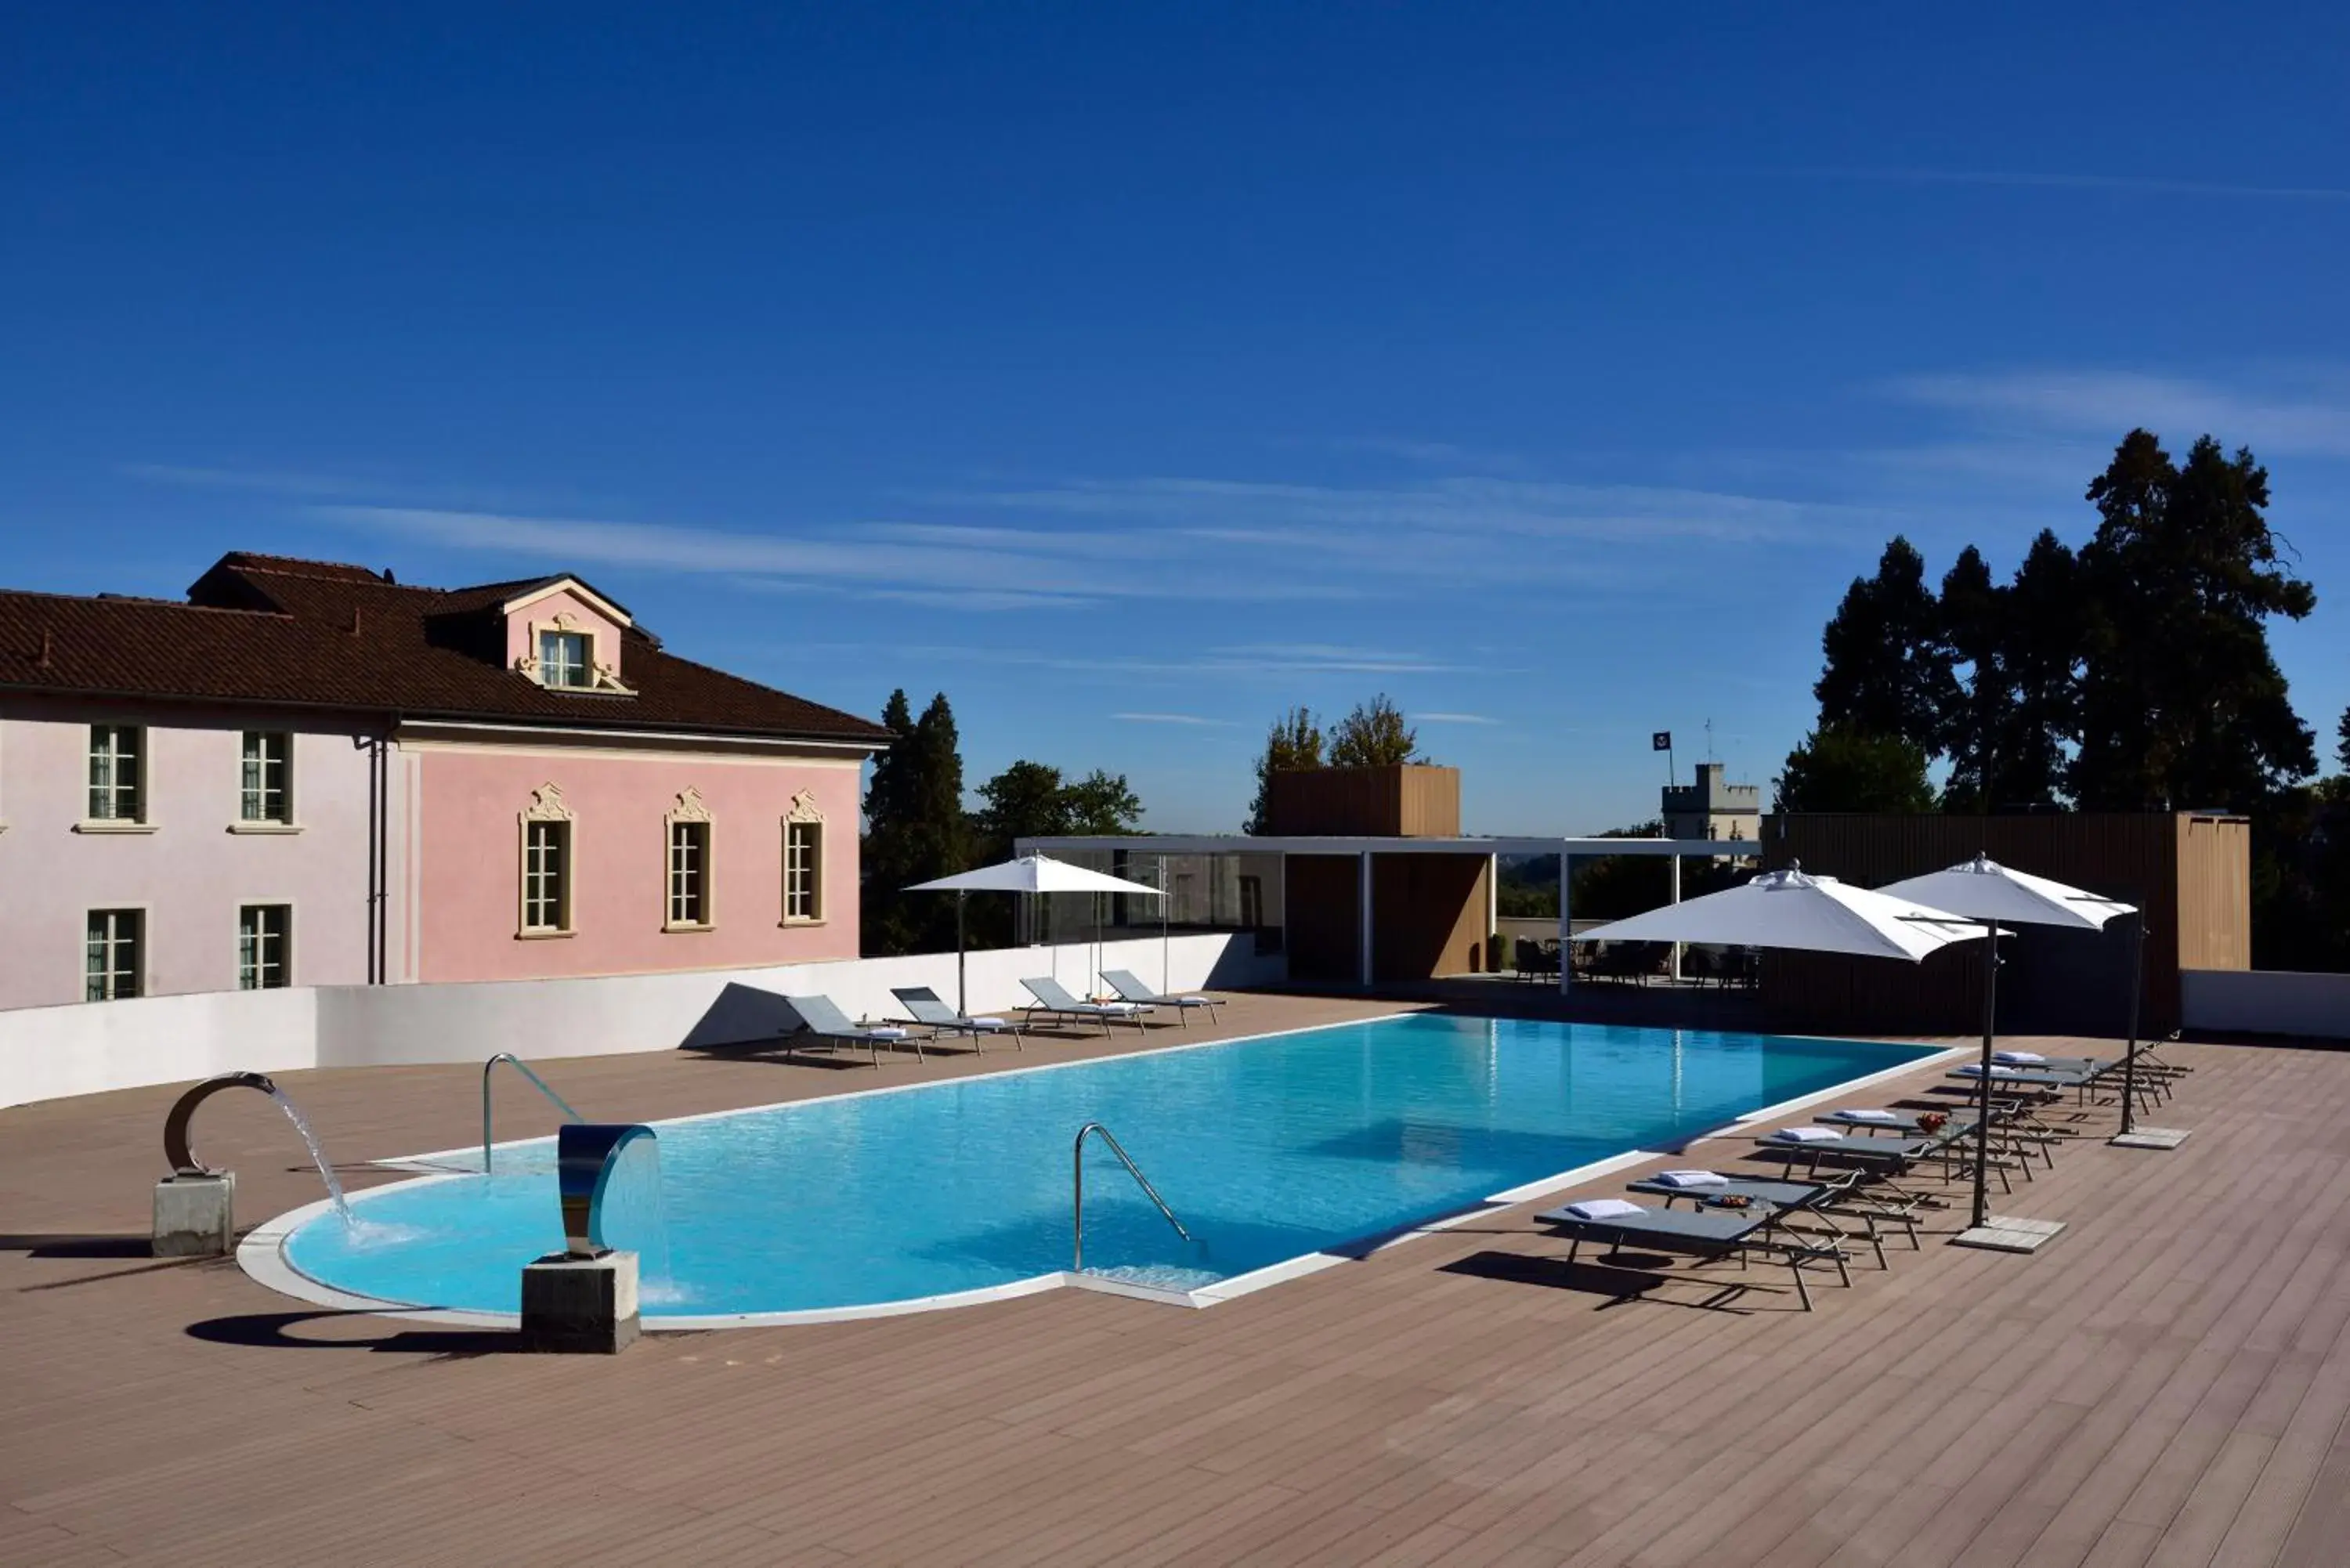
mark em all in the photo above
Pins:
pixel 1267 1149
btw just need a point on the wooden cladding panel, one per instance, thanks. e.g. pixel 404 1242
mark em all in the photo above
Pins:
pixel 1403 801
pixel 2189 874
pixel 1428 915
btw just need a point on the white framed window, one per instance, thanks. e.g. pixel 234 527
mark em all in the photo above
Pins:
pixel 265 784
pixel 802 871
pixel 688 873
pixel 113 952
pixel 546 877
pixel 566 659
pixel 118 765
pixel 265 947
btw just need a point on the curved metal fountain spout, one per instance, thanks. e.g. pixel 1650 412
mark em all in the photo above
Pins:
pixel 519 1065
pixel 183 1158
pixel 585 1158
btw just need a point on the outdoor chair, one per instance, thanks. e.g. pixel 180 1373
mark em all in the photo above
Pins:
pixel 1836 1195
pixel 1054 1003
pixel 925 1007
pixel 1884 1159
pixel 820 1019
pixel 1129 988
pixel 1716 1233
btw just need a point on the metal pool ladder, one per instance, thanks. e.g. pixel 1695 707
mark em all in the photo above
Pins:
pixel 519 1065
pixel 1077 1187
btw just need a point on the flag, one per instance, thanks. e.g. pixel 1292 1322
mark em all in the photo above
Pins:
pixel 1662 741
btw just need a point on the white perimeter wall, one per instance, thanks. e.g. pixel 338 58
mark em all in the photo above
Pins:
pixel 86 1048
pixel 2266 1001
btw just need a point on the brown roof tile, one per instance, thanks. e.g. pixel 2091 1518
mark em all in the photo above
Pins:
pixel 273 630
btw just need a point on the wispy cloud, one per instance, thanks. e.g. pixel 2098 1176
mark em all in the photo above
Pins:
pixel 2309 416
pixel 1426 718
pixel 1191 718
pixel 1441 509
pixel 2121 184
pixel 936 566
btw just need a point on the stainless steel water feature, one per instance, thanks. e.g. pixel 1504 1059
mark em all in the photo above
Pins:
pixel 195 1205
pixel 584 1298
pixel 585 1153
pixel 183 1158
pixel 1078 1189
pixel 519 1065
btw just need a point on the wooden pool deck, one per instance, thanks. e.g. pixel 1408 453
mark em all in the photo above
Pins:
pixel 2165 1383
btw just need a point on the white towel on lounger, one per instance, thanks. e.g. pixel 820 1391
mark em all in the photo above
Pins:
pixel 1885 1118
pixel 987 1023
pixel 1604 1209
pixel 1692 1178
pixel 1807 1135
pixel 887 1033
pixel 2018 1058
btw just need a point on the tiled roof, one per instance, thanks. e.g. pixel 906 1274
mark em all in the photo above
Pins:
pixel 271 630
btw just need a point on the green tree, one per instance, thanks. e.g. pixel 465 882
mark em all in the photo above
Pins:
pixel 1294 741
pixel 1102 804
pixel 1888 669
pixel 1031 800
pixel 1839 768
pixel 1973 731
pixel 1374 735
pixel 2183 705
pixel 2041 641
pixel 914 831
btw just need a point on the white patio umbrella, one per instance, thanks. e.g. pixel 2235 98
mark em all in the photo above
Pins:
pixel 1985 890
pixel 1792 909
pixel 1028 874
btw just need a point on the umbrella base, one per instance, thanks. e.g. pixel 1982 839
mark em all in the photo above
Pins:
pixel 2003 1235
pixel 2149 1137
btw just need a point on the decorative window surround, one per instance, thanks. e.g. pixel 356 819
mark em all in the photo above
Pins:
pixel 804 887
pixel 102 826
pixel 690 812
pixel 553 824
pixel 266 829
pixel 604 678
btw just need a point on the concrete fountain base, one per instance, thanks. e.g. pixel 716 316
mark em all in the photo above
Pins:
pixel 195 1216
pixel 585 1306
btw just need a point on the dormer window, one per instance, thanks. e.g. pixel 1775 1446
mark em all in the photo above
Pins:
pixel 565 658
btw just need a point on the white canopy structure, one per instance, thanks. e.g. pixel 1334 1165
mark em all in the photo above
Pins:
pixel 1792 908
pixel 1028 874
pixel 1985 890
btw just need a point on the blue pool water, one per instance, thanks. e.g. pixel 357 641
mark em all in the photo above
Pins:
pixel 1267 1149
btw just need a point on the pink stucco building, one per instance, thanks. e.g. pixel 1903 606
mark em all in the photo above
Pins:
pixel 308 775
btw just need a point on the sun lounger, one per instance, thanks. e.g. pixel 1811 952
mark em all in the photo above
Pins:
pixel 1710 1233
pixel 924 1006
pixel 822 1019
pixel 1053 1001
pixel 2005 1130
pixel 1884 1160
pixel 1129 988
pixel 1837 1195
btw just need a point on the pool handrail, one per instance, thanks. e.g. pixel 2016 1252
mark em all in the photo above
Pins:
pixel 1077 1190
pixel 523 1067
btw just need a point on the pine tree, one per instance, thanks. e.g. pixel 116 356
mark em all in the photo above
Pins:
pixel 2183 705
pixel 915 831
pixel 1888 670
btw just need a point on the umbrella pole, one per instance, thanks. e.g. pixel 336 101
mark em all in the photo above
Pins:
pixel 1982 1083
pixel 962 990
pixel 1166 950
pixel 2129 1056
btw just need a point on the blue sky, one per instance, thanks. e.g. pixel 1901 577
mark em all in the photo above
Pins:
pixel 1131 372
